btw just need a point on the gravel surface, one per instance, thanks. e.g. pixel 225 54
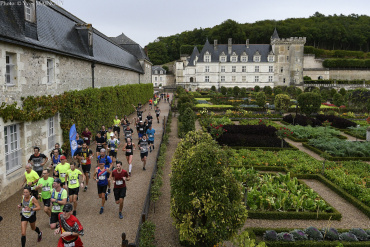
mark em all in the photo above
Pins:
pixel 166 234
pixel 100 230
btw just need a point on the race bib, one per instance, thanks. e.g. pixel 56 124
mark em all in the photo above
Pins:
pixel 83 161
pixel 33 187
pixel 37 165
pixel 86 138
pixel 63 175
pixel 102 177
pixel 45 188
pixel 56 207
pixel 25 211
pixel 141 129
pixel 69 244
pixel 112 148
pixel 119 182
pixel 150 135
pixel 73 181
pixel 116 125
pixel 128 150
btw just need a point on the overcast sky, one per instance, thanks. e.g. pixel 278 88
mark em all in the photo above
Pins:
pixel 145 20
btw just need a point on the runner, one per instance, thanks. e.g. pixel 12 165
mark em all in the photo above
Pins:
pixel 80 142
pixel 128 132
pixel 168 98
pixel 72 177
pixel 149 118
pixel 100 142
pixel 70 228
pixel 116 127
pixel 129 148
pixel 110 131
pixel 155 102
pixel 150 103
pixel 28 206
pixel 58 200
pixel 119 177
pixel 157 112
pixel 139 113
pixel 85 157
pixel 124 122
pixel 55 160
pixel 101 176
pixel 46 185
pixel 103 158
pixel 103 131
pixel 31 178
pixel 143 145
pixel 141 129
pixel 61 170
pixel 38 160
pixel 57 147
pixel 150 133
pixel 86 136
pixel 113 145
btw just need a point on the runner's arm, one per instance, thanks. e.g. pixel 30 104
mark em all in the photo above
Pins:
pixel 124 147
pixel 36 203
pixel 62 202
pixel 45 160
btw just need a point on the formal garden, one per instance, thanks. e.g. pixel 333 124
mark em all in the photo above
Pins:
pixel 253 154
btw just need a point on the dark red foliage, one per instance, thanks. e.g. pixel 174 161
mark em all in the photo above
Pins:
pixel 251 130
pixel 243 140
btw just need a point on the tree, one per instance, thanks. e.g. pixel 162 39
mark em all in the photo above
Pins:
pixel 282 102
pixel 338 99
pixel 165 68
pixel 309 102
pixel 332 92
pixel 236 91
pixel 206 200
pixel 187 121
pixel 229 92
pixel 213 88
pixel 257 89
pixel 223 90
pixel 342 91
pixel 243 92
pixel 261 99
pixel 267 90
pixel 277 90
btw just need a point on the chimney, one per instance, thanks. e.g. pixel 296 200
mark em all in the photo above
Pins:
pixel 247 43
pixel 230 45
pixel 215 44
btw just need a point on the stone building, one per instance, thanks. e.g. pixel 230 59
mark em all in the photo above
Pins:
pixel 45 50
pixel 243 65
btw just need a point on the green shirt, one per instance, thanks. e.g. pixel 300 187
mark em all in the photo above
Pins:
pixel 56 207
pixel 46 188
pixel 116 122
pixel 73 178
pixel 31 177
pixel 62 169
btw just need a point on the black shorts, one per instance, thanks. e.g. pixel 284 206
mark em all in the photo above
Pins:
pixel 46 202
pixel 102 189
pixel 118 129
pixel 30 219
pixel 151 142
pixel 54 218
pixel 73 191
pixel 113 153
pixel 129 154
pixel 119 193
pixel 157 115
pixel 86 168
pixel 142 155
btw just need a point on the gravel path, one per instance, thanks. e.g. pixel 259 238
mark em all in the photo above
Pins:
pixel 166 234
pixel 100 230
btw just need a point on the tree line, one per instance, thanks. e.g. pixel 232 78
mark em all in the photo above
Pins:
pixel 332 32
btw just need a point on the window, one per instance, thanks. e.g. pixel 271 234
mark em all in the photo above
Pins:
pixel 207 69
pixel 271 58
pixel 287 58
pixel 156 72
pixel 12 148
pixel 50 70
pixel 244 68
pixel 284 80
pixel 271 69
pixel 160 78
pixel 207 58
pixel 256 68
pixel 233 68
pixel 10 68
pixel 257 59
pixel 233 59
pixel 90 38
pixel 244 59
pixel 222 68
pixel 206 78
pixel 223 59
pixel 256 78
pixel 222 78
pixel 233 78
pixel 244 78
pixel 155 78
pixel 281 70
pixel 161 72
pixel 270 78
pixel 51 133
pixel 27 8
pixel 155 84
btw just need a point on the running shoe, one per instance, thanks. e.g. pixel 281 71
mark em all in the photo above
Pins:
pixel 144 168
pixel 106 196
pixel 101 210
pixel 39 238
pixel 120 215
pixel 85 188
pixel 108 190
pixel 129 174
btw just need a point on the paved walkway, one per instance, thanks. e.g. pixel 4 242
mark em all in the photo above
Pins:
pixel 100 230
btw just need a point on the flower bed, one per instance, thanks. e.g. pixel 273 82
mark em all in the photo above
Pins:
pixel 266 122
pixel 341 148
pixel 337 122
pixel 303 133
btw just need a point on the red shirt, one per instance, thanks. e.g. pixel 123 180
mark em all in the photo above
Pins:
pixel 72 221
pixel 118 177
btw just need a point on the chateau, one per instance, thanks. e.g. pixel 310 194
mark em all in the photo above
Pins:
pixel 243 65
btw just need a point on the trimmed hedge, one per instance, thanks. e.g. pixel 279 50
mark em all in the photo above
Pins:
pixel 346 63
pixel 354 135
pixel 276 215
pixel 289 147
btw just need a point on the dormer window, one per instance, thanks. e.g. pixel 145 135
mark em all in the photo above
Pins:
pixel 244 59
pixel 207 58
pixel 271 58
pixel 257 57
pixel 223 59
pixel 234 59
pixel 29 11
pixel 161 72
pixel 156 72
pixel 90 38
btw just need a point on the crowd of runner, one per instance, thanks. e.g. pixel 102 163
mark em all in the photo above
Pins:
pixel 57 186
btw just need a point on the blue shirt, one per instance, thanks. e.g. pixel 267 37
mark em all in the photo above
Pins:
pixel 150 134
pixel 103 177
pixel 106 160
pixel 79 142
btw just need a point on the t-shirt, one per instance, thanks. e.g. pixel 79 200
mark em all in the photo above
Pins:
pixel 102 176
pixel 141 128
pixel 150 101
pixel 113 144
pixel 31 177
pixel 118 177
pixel 150 119
pixel 86 136
pixel 73 223
pixel 55 160
pixel 79 143
pixel 37 160
pixel 47 187
pixel 116 122
pixel 62 169
pixel 73 178
pixel 106 160
pixel 143 145
pixel 56 207
pixel 100 140
pixel 86 156
pixel 157 112
pixel 128 133
pixel 103 133
pixel 150 133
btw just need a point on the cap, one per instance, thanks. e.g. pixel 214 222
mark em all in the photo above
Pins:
pixel 67 208
pixel 57 180
pixel 111 134
pixel 63 157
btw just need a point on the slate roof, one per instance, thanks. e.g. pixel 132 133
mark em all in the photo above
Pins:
pixel 275 35
pixel 263 49
pixel 130 46
pixel 56 32
pixel 158 68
